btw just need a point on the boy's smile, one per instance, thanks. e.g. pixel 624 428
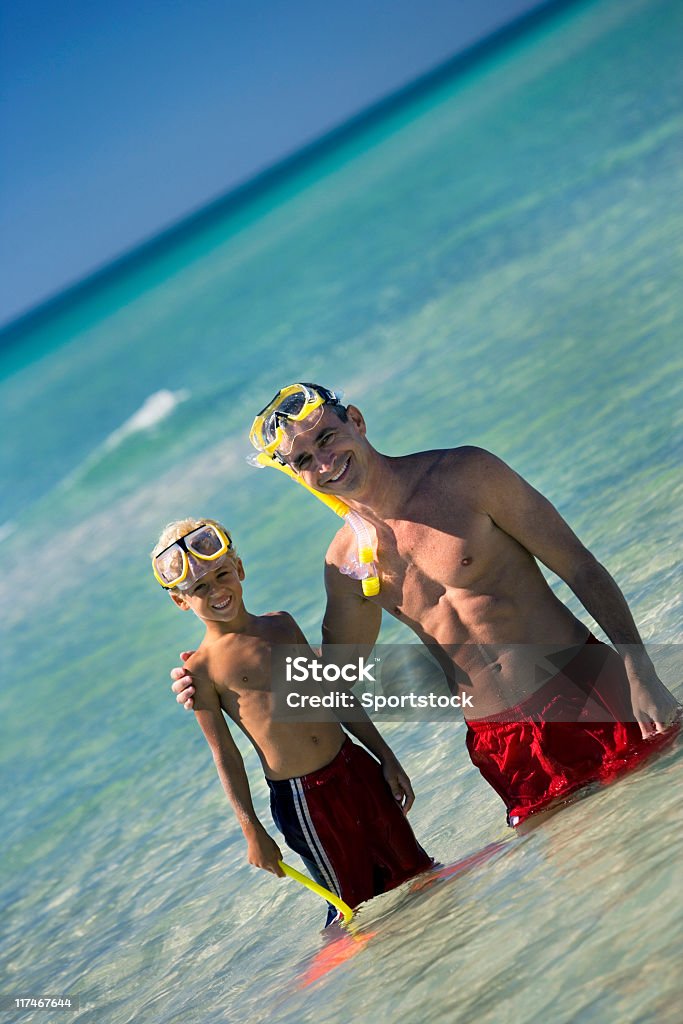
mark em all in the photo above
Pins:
pixel 217 595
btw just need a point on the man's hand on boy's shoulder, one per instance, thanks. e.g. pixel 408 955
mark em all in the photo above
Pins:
pixel 183 684
pixel 398 783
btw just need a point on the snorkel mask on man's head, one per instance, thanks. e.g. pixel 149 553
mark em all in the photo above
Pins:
pixel 276 426
pixel 295 409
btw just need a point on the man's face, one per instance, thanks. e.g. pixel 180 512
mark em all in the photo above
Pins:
pixel 330 455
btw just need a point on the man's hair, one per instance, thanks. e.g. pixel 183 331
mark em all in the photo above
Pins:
pixel 179 527
pixel 341 410
pixel 338 408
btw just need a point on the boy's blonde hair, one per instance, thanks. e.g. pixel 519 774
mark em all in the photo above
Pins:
pixel 177 529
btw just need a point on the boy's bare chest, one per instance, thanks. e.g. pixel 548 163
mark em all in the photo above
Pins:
pixel 241 672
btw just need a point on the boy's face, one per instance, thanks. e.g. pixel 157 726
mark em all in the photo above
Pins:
pixel 216 596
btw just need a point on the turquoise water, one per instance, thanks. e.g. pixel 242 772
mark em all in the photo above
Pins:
pixel 497 263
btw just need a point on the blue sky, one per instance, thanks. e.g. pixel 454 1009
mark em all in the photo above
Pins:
pixel 118 119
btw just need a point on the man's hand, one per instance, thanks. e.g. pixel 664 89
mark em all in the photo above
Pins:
pixel 263 852
pixel 183 686
pixel 655 708
pixel 399 783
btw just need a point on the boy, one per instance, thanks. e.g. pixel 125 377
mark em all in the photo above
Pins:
pixel 331 800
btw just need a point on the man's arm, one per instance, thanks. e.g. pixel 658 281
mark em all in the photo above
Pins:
pixel 360 724
pixel 364 730
pixel 350 618
pixel 262 851
pixel 528 517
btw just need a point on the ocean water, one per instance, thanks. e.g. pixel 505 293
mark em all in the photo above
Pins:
pixel 498 262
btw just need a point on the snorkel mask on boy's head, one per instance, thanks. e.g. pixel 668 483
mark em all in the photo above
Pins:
pixel 291 406
pixel 191 556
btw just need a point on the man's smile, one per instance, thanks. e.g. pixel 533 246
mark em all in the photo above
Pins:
pixel 336 477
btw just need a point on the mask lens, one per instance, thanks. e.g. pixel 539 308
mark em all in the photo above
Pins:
pixel 170 564
pixel 270 429
pixel 207 543
pixel 291 430
pixel 196 570
pixel 290 406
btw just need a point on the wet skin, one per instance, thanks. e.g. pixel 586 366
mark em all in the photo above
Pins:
pixel 458 538
pixel 232 673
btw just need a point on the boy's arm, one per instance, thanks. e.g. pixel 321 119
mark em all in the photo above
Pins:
pixel 262 851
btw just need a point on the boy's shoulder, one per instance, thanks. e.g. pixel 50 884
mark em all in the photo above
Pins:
pixel 198 662
pixel 277 627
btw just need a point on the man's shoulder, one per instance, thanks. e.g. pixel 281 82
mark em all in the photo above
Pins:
pixel 449 467
pixel 465 456
pixel 437 459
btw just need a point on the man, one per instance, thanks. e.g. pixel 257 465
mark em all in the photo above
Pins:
pixel 457 535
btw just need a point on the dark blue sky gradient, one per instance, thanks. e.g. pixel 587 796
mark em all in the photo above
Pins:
pixel 118 119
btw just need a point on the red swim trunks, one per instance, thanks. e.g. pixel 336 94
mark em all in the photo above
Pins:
pixel 576 729
pixel 346 825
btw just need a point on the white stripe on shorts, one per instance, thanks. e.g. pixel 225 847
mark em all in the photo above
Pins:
pixel 312 838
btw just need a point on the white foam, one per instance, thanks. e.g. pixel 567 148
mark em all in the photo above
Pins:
pixel 154 409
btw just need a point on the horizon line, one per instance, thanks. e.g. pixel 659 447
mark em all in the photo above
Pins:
pixel 282 169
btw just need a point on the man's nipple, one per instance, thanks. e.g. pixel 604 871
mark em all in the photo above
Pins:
pixel 466 561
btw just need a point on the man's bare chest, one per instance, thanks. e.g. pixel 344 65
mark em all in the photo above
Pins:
pixel 420 562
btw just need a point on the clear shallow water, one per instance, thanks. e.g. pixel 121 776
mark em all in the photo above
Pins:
pixel 498 263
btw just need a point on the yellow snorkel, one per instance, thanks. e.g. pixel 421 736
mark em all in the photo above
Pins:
pixel 343 908
pixel 366 557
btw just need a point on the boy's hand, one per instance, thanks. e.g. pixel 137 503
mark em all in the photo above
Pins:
pixel 399 783
pixel 263 852
pixel 183 685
